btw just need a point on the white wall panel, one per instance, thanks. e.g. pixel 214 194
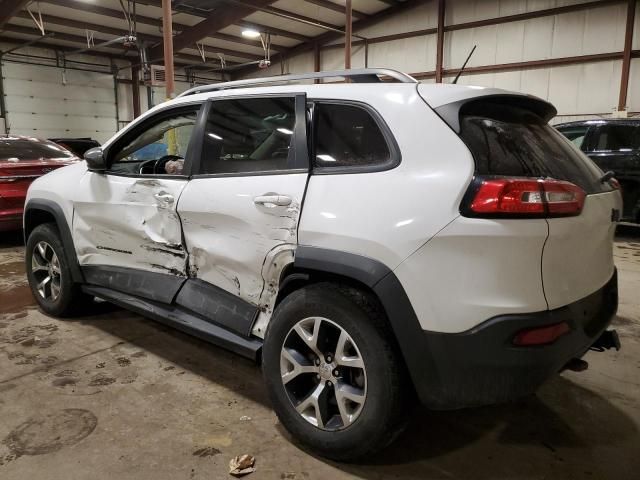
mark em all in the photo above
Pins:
pixel 44 101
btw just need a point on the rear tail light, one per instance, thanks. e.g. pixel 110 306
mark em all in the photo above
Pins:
pixel 540 335
pixel 524 197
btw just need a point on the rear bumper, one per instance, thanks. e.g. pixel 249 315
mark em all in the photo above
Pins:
pixel 482 366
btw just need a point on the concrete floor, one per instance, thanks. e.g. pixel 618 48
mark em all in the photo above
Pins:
pixel 117 396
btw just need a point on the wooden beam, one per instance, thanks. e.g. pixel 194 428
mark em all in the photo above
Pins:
pixel 8 8
pixel 440 41
pixel 337 8
pixel 626 57
pixel 219 19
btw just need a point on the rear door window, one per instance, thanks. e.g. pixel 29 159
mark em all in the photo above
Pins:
pixel 249 135
pixel 513 141
pixel 618 138
pixel 348 136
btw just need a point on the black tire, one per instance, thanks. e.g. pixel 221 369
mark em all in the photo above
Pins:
pixel 382 417
pixel 70 300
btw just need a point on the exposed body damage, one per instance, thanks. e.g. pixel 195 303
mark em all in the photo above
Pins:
pixel 232 241
pixel 274 263
pixel 139 229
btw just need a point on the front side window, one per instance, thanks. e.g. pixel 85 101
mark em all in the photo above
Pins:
pixel 249 135
pixel 347 136
pixel 618 138
pixel 158 149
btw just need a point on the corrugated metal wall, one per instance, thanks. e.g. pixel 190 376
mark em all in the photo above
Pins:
pixel 576 90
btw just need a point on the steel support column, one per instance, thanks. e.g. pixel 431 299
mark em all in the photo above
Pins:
pixel 135 90
pixel 167 34
pixel 626 55
pixel 440 41
pixel 347 34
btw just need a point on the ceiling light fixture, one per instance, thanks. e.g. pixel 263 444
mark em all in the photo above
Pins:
pixel 250 33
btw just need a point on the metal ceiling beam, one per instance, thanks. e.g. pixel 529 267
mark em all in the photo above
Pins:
pixel 61 48
pixel 337 8
pixel 241 23
pixel 217 20
pixel 8 8
pixel 153 39
pixel 157 22
pixel 333 36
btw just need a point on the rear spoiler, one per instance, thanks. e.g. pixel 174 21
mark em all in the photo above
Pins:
pixel 450 112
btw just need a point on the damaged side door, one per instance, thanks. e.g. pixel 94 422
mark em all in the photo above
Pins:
pixel 240 211
pixel 125 227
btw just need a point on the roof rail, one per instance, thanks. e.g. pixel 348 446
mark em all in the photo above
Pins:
pixel 362 75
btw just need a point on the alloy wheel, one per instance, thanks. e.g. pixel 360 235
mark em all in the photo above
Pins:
pixel 45 267
pixel 323 373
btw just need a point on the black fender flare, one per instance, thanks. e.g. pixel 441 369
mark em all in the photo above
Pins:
pixel 56 212
pixel 385 285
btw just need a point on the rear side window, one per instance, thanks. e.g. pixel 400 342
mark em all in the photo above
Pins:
pixel 618 137
pixel 576 134
pixel 512 141
pixel 14 149
pixel 249 135
pixel 348 136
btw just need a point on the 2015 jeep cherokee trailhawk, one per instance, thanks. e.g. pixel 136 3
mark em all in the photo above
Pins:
pixel 368 241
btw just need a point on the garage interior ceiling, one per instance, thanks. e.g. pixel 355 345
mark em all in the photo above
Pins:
pixel 214 25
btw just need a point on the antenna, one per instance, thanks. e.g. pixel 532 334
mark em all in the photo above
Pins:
pixel 455 80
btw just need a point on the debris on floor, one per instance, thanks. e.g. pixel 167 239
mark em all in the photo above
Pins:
pixel 242 465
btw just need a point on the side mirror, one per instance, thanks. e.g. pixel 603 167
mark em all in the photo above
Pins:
pixel 95 159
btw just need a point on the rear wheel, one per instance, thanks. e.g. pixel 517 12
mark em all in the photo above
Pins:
pixel 336 380
pixel 49 274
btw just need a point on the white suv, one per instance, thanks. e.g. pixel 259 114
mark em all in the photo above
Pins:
pixel 367 241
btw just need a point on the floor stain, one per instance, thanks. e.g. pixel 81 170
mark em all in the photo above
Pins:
pixel 123 361
pixel 47 433
pixel 101 380
pixel 206 452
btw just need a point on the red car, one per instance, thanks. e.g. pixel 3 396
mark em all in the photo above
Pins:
pixel 22 160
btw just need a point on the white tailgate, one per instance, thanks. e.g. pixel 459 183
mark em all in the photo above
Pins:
pixel 578 256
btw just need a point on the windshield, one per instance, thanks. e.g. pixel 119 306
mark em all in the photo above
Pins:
pixel 15 149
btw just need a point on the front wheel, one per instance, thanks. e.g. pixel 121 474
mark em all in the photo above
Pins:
pixel 49 274
pixel 334 375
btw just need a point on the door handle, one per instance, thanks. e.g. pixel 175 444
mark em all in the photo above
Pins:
pixel 275 200
pixel 164 197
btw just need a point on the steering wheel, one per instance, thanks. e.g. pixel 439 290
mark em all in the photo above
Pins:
pixel 157 166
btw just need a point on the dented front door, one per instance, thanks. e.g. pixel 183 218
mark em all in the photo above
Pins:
pixel 129 222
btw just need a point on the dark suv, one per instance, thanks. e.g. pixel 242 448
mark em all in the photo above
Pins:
pixel 614 144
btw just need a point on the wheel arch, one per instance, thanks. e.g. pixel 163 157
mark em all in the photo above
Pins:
pixel 314 265
pixel 40 211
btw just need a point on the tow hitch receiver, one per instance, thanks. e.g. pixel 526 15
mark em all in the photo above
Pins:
pixel 608 339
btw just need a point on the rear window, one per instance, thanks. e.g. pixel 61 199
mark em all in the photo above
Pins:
pixel 19 149
pixel 348 136
pixel 618 137
pixel 512 141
